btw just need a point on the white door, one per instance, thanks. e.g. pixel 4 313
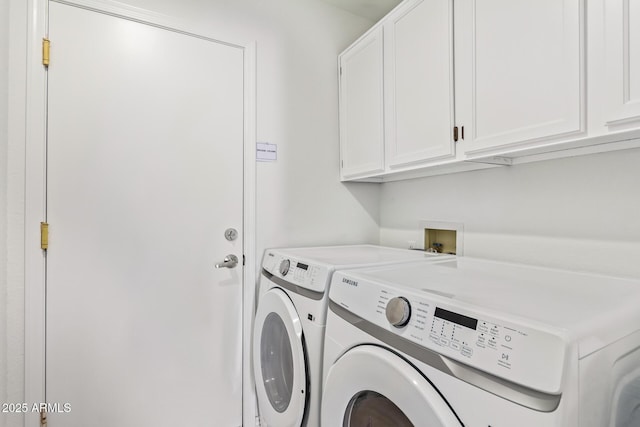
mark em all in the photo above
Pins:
pixel 519 71
pixel 279 361
pixel 145 154
pixel 370 385
pixel 362 108
pixel 622 20
pixel 418 60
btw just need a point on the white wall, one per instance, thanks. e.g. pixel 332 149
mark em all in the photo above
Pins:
pixel 11 211
pixel 582 213
pixel 300 200
pixel 4 116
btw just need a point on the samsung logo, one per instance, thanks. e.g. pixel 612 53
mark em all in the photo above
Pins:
pixel 349 281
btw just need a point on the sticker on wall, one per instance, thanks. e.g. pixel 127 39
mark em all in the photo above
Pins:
pixel 266 152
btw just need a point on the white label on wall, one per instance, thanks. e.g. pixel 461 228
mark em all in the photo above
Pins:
pixel 266 152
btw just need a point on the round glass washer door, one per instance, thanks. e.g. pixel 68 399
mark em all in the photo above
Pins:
pixel 278 360
pixel 369 385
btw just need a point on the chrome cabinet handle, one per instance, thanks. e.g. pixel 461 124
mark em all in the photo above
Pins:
pixel 230 261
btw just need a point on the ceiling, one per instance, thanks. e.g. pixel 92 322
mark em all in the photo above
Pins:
pixel 370 9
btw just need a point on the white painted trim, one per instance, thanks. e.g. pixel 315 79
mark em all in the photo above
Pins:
pixel 144 16
pixel 249 402
pixel 623 121
pixel 35 189
pixel 15 196
pixel 604 147
pixel 35 209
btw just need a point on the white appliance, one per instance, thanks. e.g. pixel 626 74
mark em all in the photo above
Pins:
pixel 468 342
pixel 289 325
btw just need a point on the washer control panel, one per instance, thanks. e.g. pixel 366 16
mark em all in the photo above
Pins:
pixel 466 335
pixel 522 352
pixel 296 272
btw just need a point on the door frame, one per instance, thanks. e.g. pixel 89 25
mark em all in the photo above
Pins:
pixel 35 195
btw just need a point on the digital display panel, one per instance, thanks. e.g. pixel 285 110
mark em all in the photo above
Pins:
pixel 302 266
pixel 467 322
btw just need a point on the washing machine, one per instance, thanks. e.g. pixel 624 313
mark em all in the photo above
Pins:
pixel 290 321
pixel 477 343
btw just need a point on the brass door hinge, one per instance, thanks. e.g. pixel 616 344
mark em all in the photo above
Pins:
pixel 46 50
pixel 43 418
pixel 44 236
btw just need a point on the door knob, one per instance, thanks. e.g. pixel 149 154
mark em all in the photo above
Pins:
pixel 230 261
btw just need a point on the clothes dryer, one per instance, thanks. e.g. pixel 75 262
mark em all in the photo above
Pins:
pixel 290 320
pixel 477 343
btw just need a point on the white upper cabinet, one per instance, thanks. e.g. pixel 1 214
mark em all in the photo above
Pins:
pixel 622 59
pixel 519 72
pixel 513 77
pixel 361 108
pixel 418 77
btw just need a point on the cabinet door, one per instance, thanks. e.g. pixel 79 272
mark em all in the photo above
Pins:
pixel 519 72
pixel 623 62
pixel 418 46
pixel 361 108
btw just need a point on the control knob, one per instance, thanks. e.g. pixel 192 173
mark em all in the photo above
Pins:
pixel 398 311
pixel 284 267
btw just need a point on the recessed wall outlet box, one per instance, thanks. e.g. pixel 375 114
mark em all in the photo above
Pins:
pixel 443 237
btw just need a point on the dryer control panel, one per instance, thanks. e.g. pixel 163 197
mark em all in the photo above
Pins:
pixel 517 350
pixel 297 272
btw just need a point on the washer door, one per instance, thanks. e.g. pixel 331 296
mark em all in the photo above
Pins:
pixel 278 361
pixel 369 385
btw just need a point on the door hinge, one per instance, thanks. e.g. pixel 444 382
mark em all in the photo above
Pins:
pixel 455 134
pixel 46 50
pixel 43 418
pixel 44 236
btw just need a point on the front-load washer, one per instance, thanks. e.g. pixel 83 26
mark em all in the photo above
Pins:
pixel 289 325
pixel 477 343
